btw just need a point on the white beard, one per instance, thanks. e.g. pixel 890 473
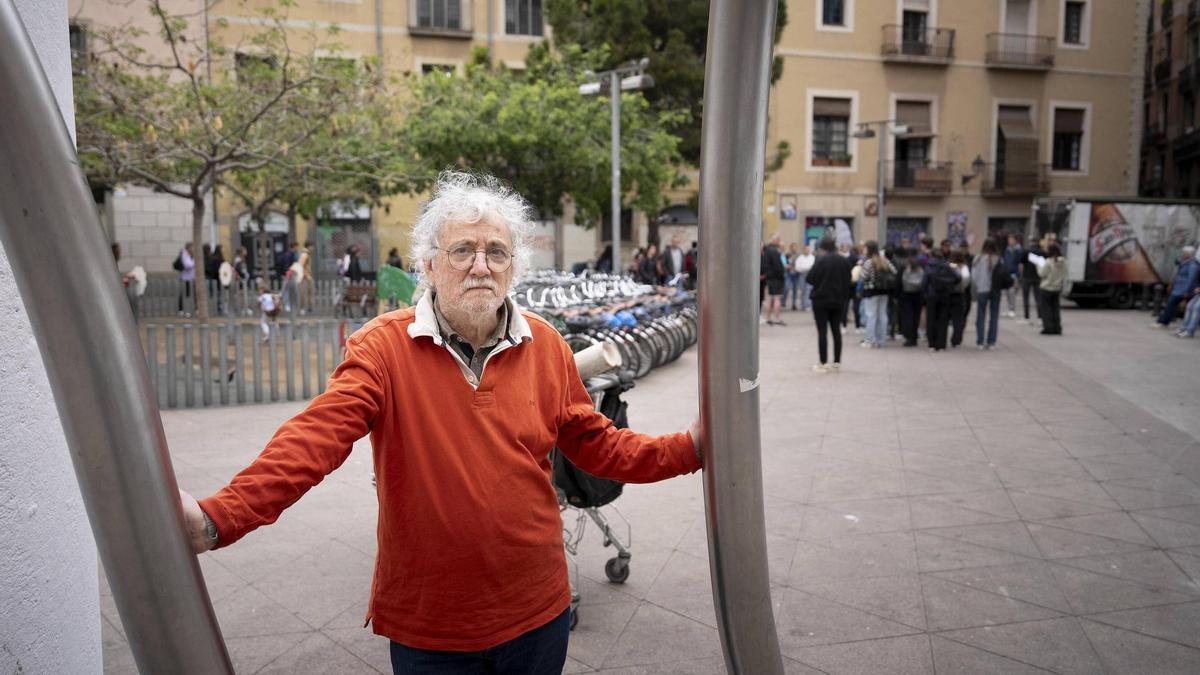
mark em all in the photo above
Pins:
pixel 474 303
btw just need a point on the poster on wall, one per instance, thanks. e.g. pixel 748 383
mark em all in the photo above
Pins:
pixel 956 227
pixel 906 232
pixel 787 207
pixel 816 228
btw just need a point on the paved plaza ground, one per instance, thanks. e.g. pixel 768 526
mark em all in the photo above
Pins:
pixel 1031 509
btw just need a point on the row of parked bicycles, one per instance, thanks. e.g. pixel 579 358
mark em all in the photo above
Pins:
pixel 650 326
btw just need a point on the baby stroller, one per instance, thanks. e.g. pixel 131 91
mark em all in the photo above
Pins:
pixel 582 495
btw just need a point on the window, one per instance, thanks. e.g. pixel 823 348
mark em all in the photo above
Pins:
pixel 252 67
pixel 1189 112
pixel 523 17
pixel 833 12
pixel 1068 139
pixel 439 14
pixel 444 68
pixel 831 132
pixel 78 37
pixel 1073 22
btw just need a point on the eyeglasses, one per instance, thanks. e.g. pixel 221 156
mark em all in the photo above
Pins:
pixel 462 257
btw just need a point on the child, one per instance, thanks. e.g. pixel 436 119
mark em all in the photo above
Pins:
pixel 269 304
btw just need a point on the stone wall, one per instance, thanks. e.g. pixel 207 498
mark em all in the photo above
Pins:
pixel 151 227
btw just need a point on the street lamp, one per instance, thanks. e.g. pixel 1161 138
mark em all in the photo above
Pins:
pixel 630 77
pixel 865 131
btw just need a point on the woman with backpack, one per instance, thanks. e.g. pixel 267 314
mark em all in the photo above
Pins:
pixel 878 279
pixel 988 276
pixel 941 281
pixel 959 298
pixel 911 281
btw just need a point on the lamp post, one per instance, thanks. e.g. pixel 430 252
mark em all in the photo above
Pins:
pixel 630 77
pixel 865 131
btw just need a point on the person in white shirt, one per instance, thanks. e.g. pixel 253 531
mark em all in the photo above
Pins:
pixel 268 303
pixel 801 265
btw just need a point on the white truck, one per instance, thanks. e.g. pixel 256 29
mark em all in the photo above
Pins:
pixel 1118 249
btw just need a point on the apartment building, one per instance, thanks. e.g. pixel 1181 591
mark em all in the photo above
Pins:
pixel 988 111
pixel 1171 141
pixel 408 36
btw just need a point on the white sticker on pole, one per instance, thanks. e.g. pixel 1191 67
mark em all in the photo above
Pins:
pixel 745 385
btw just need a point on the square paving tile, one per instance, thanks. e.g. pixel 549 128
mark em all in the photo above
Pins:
pixel 859 556
pixel 1057 645
pixel 1057 542
pixel 1177 623
pixel 655 635
pixel 1150 567
pixel 936 554
pixel 1092 593
pixel 1124 651
pixel 907 655
pixel 949 606
pixel 1169 533
pixel 954 658
pixel 1031 581
pixel 895 598
pixel 805 620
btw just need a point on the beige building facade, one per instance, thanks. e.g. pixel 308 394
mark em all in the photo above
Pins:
pixel 994 109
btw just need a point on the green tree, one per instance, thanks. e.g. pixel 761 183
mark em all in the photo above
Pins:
pixel 672 33
pixel 164 124
pixel 536 131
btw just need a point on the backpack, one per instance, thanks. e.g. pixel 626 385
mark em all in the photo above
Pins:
pixel 944 280
pixel 178 264
pixel 885 279
pixel 1001 279
pixel 913 276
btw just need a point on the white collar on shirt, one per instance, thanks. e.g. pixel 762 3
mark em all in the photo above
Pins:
pixel 425 322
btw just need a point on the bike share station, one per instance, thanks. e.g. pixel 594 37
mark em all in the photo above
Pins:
pixel 109 412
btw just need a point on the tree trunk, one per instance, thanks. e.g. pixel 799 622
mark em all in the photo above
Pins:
pixel 201 284
pixel 291 216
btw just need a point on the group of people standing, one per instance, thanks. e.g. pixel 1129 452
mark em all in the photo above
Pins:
pixel 923 291
pixel 673 266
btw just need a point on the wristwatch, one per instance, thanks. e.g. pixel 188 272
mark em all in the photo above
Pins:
pixel 210 529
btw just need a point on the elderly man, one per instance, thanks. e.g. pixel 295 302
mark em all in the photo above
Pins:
pixel 1187 278
pixel 464 396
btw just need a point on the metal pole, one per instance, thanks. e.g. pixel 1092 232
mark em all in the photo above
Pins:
pixel 880 193
pixel 733 156
pixel 98 373
pixel 614 87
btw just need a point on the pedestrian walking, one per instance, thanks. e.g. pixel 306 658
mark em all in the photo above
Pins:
pixel 268 309
pixel 878 280
pixel 987 277
pixel 650 267
pixel 940 282
pixel 803 263
pixel 394 259
pixel 1053 274
pixel 462 451
pixel 185 264
pixel 830 281
pixel 855 304
pixel 1187 278
pixel 774 273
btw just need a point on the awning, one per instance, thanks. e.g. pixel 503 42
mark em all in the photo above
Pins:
pixel 1068 121
pixel 916 116
pixel 831 107
pixel 1016 123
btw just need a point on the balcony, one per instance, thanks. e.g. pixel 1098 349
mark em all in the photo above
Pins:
pixel 1015 180
pixel 1020 52
pixel 1168 13
pixel 1186 146
pixel 1155 134
pixel 919 178
pixel 1187 77
pixel 1162 72
pixel 933 46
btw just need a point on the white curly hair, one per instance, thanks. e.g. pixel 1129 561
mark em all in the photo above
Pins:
pixel 464 197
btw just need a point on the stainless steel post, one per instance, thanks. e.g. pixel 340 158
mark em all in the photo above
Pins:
pixel 736 81
pixel 48 223
pixel 614 88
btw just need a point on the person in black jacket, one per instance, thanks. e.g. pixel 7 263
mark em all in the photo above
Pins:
pixel 774 274
pixel 830 281
pixel 940 282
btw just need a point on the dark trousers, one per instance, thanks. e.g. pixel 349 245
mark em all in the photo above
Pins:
pixel 893 314
pixel 187 291
pixel 987 316
pixel 1027 285
pixel 857 311
pixel 958 317
pixel 1171 309
pixel 827 318
pixel 910 316
pixel 937 321
pixel 1051 313
pixel 541 651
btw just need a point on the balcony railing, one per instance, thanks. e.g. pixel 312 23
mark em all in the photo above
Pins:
pixel 1162 71
pixel 1014 180
pixel 1013 50
pixel 932 45
pixel 919 177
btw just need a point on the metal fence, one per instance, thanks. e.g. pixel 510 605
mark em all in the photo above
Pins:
pixel 166 296
pixel 233 363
